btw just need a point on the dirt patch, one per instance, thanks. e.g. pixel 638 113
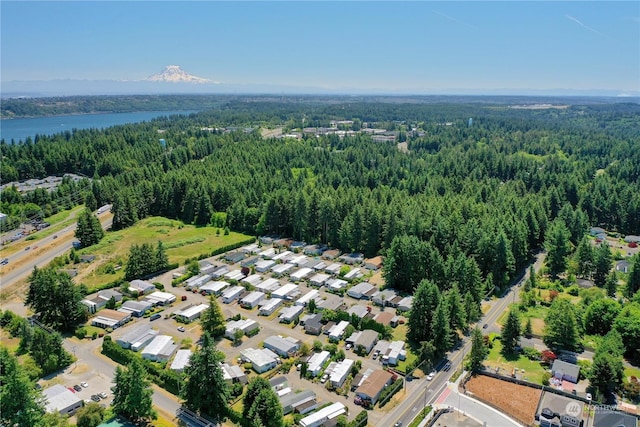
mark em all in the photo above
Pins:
pixel 517 401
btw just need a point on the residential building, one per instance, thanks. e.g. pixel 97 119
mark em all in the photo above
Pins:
pixel 374 263
pixel 250 262
pixel 253 248
pixel 352 258
pixel 337 332
pixel 314 250
pixel 233 374
pixel 159 349
pixel 313 325
pixel 359 310
pixel 191 313
pixel 234 257
pixel 110 319
pixel 107 294
pixel 340 372
pixel 324 415
pixel 405 304
pixel 286 291
pixel 283 256
pixel 58 398
pixel 565 371
pixel 384 317
pixel 299 260
pixel 319 279
pixel 181 360
pixel 137 337
pixel 231 294
pixel 290 314
pixel 623 266
pixel 252 300
pixel 94 304
pixel 393 353
pixel 304 300
pixel 245 325
pixel 353 274
pixel 382 298
pixel 336 284
pixel 261 360
pixel 333 269
pixel 264 265
pixel 281 269
pixel 302 402
pixel 363 341
pixel 268 253
pixel 317 266
pixel 331 302
pixel 301 274
pixel 269 285
pixel 140 287
pixel 160 298
pixel 269 306
pixel 317 361
pixel 196 282
pixel 234 275
pixel 214 288
pixel 331 254
pixel 372 387
pixel 285 347
pixel 614 418
pixel 252 280
pixel 135 308
pixel 360 290
pixel 219 272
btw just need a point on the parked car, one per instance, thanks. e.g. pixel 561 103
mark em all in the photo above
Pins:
pixel 27 248
pixel 184 297
pixel 181 328
pixel 71 389
pixel 348 346
pixel 77 387
pixel 55 236
pixel 95 398
pixel 324 378
pixel 447 366
pixel 154 317
pixel 4 261
pixel 485 326
pixel 84 384
pixel 102 395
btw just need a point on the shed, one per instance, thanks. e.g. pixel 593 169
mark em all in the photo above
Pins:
pixel 285 347
pixel 58 398
pixel 565 371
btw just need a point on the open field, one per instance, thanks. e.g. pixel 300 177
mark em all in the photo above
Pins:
pixel 517 401
pixel 533 371
pixel 181 242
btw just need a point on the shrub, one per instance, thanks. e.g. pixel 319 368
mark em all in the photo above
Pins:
pixel 531 353
pixel 81 333
pixel 545 378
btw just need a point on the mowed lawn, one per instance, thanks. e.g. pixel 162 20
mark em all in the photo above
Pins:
pixel 181 242
pixel 533 370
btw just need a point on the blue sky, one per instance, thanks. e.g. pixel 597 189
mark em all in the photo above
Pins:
pixel 418 46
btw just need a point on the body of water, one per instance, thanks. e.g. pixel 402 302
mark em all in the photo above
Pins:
pixel 20 129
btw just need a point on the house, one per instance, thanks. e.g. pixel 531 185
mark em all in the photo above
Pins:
pixel 261 360
pixel 160 298
pixel 405 304
pixel 181 360
pixel 107 294
pixel 313 325
pixel 250 262
pixel 214 288
pixel 267 253
pixel 299 260
pixel 191 313
pixel 269 306
pixel 302 402
pixel 304 300
pixel 332 302
pixel 231 294
pixel 285 347
pixel 317 265
pixel 264 265
pixel 359 310
pixel 353 274
pixel 140 287
pixel 316 361
pixel 252 300
pixel 233 374
pixel 234 257
pixel 632 239
pixel 374 263
pixel 372 387
pixel 245 325
pixel 283 256
pixel 363 341
pixel 297 246
pixel 314 250
pixel 383 297
pixel 135 308
pixel 565 371
pixel 333 269
pixel 335 285
pixel 614 418
pixel 58 398
pixel 196 281
pixel 301 274
pixel 159 349
pixel 391 352
pixel 355 258
pixel 360 290
pixel 282 243
pixel 219 272
pixel 331 254
pixel 268 285
pixel 234 275
pixel 337 332
pixel 286 291
pixel 281 269
pixel 319 279
pixel 623 266
pixel 290 314
pixel 384 317
pixel 137 337
pixel 250 249
pixel 252 280
pixel 279 383
pixel 110 319
pixel 340 372
pixel 324 415
pixel 594 231
pixel 94 304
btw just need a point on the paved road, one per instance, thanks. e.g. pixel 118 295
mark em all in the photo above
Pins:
pixel 416 399
pixel 21 263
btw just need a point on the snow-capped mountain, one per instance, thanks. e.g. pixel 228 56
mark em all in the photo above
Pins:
pixel 175 74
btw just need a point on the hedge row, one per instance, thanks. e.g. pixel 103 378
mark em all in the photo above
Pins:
pixel 360 420
pixel 388 392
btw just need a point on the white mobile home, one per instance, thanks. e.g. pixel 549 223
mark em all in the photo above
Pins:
pixel 252 300
pixel 264 265
pixel 283 346
pixel 160 298
pixel 181 360
pixel 337 331
pixel 268 285
pixel 214 288
pixel 261 359
pixel 281 269
pixel 234 275
pixel 317 361
pixel 336 284
pixel 267 253
pixel 340 372
pixel 353 274
pixel 301 274
pixel 319 279
pixel 285 291
pixel 245 325
pixel 141 287
pixel 135 308
pixel 405 304
pixel 299 260
pixel 191 313
pixel 304 300
pixel 334 268
pixel 360 290
pixel 231 294
pixel 219 272
pixel 196 281
pixel 325 414
pixel 160 349
pixel 270 306
pixel 252 280
pixel 58 398
pixel 283 256
pixel 290 314
pixel 138 337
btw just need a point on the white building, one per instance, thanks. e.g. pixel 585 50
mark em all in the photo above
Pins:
pixel 405 304
pixel 58 398
pixel 283 346
pixel 137 337
pixel 269 306
pixel 353 274
pixel 304 300
pixel 135 308
pixel 299 260
pixel 233 373
pixel 159 349
pixel 245 325
pixel 231 294
pixel 290 314
pixel 252 280
pixel 160 298
pixel 181 360
pixel 336 284
pixel 141 287
pixel 283 256
pixel 360 290
pixel 264 265
pixel 319 279
pixel 285 291
pixel 267 253
pixel 196 281
pixel 337 331
pixel 215 287
pixel 190 314
pixel 281 269
pixel 301 274
pixel 317 361
pixel 340 372
pixel 234 275
pixel 334 268
pixel 268 285
pixel 253 299
pixel 261 360
pixel 323 415
pixel 250 249
pixel 391 352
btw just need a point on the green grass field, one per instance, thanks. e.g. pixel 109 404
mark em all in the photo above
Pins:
pixel 533 371
pixel 182 242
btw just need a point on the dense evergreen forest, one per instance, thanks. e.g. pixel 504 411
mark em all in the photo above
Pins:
pixel 466 203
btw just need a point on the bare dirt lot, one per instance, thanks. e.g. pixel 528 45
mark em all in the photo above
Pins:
pixel 517 401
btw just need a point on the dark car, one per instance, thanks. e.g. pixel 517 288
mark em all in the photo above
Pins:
pixel 77 387
pixel 485 326
pixel 95 398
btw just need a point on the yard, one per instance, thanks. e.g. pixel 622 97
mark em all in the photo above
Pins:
pixel 517 401
pixel 181 242
pixel 533 370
